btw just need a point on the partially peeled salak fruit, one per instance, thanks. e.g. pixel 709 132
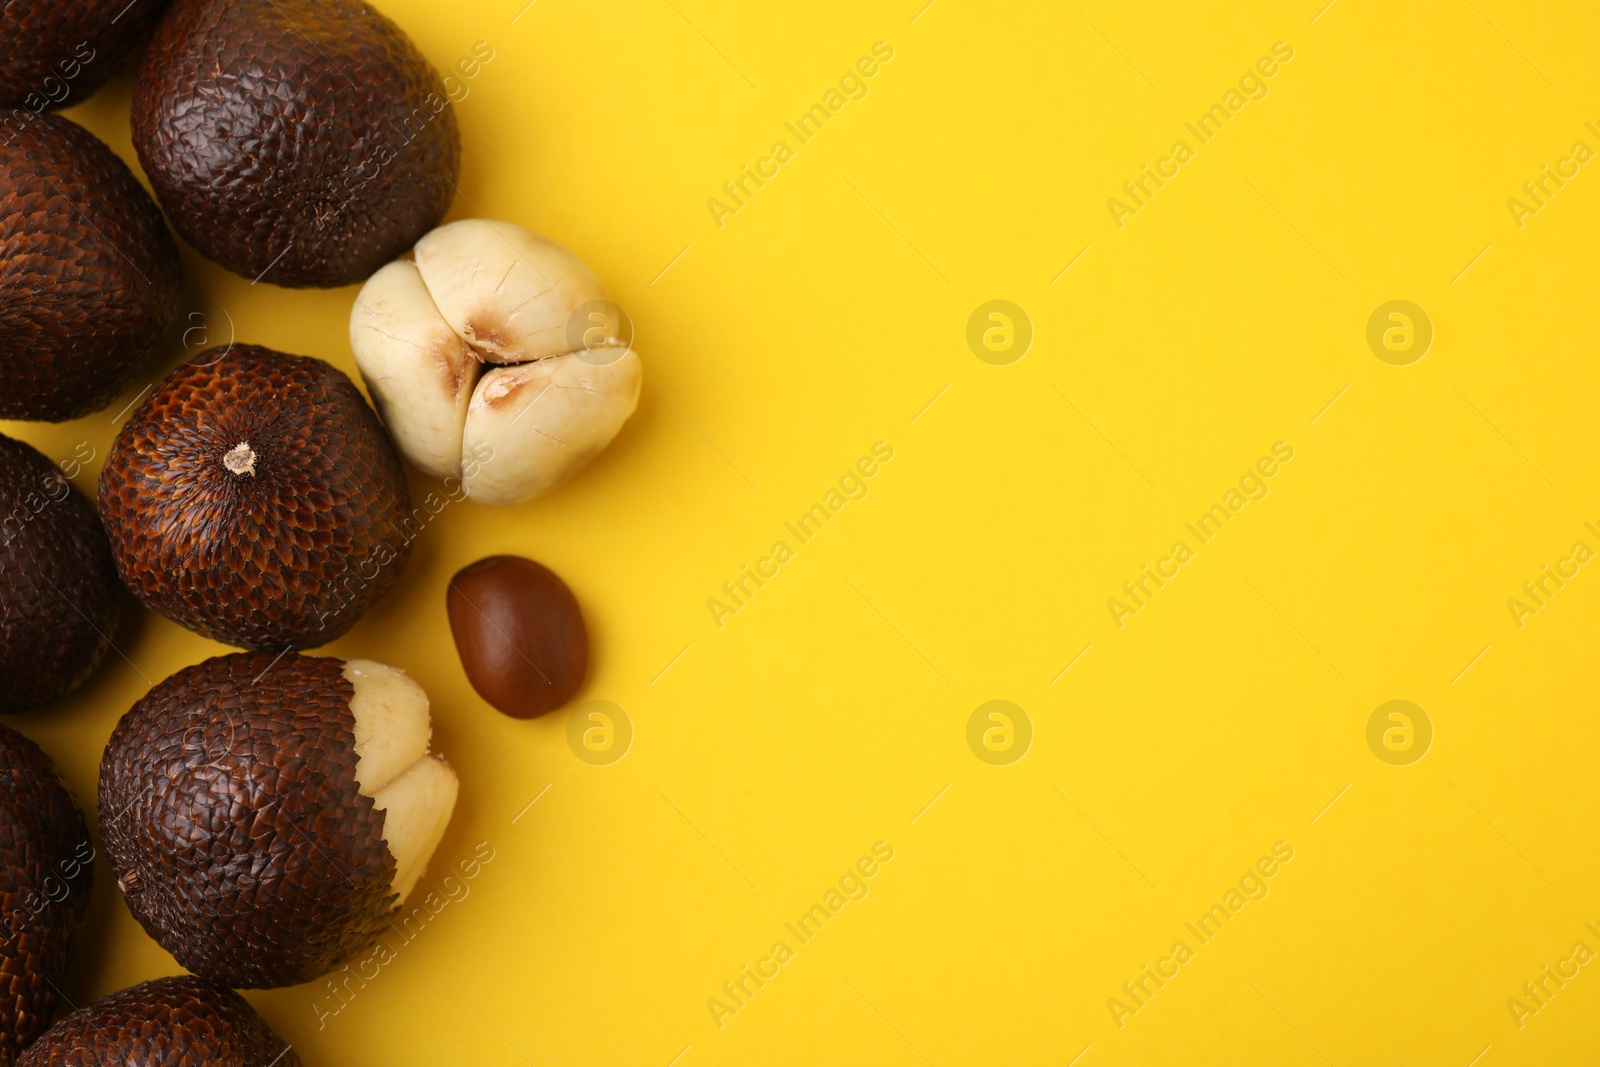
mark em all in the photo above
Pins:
pixel 266 816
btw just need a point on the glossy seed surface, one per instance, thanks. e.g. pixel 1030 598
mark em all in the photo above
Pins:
pixel 519 633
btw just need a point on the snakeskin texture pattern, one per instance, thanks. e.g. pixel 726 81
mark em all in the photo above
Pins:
pixel 286 553
pixel 59 597
pixel 172 1022
pixel 231 815
pixel 57 53
pixel 299 142
pixel 89 275
pixel 45 876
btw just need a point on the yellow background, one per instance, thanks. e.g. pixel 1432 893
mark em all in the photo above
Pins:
pixel 827 714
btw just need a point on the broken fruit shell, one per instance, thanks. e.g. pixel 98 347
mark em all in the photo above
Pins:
pixel 265 817
pixel 484 358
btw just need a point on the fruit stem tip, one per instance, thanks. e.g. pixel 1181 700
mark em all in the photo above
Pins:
pixel 241 459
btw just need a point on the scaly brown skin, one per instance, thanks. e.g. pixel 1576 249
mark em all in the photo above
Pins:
pixel 59 597
pixel 58 53
pixel 231 815
pixel 89 275
pixel 299 142
pixel 171 1022
pixel 288 556
pixel 45 877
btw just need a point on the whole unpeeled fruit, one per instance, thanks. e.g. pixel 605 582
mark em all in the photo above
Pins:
pixel 495 357
pixel 171 1022
pixel 265 816
pixel 59 597
pixel 255 499
pixel 300 142
pixel 58 53
pixel 45 877
pixel 89 276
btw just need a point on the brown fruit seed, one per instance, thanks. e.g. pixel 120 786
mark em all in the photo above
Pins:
pixel 89 276
pixel 58 53
pixel 255 499
pixel 265 816
pixel 519 633
pixel 45 876
pixel 299 142
pixel 59 597
pixel 168 1022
